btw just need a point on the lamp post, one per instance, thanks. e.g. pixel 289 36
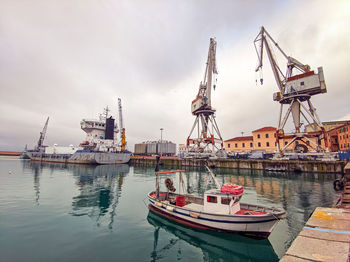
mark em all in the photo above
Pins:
pixel 161 139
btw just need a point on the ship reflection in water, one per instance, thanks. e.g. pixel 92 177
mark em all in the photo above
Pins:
pixel 99 191
pixel 214 245
pixel 99 188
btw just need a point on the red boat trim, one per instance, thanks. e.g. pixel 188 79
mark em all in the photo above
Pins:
pixel 167 172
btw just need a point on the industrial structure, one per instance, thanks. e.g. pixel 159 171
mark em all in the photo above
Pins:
pixel 207 137
pixel 161 147
pixel 295 91
pixel 121 126
pixel 40 145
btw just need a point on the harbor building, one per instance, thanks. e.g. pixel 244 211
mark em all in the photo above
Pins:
pixel 264 139
pixel 239 144
pixel 155 148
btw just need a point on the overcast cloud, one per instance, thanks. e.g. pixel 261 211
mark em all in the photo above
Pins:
pixel 70 59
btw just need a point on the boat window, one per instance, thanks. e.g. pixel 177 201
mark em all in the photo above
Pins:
pixel 225 200
pixel 212 199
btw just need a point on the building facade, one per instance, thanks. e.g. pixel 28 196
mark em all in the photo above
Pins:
pixel 239 144
pixel 264 139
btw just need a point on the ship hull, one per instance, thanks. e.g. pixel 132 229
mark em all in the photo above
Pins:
pixel 92 158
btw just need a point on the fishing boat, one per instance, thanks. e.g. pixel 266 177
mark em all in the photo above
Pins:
pixel 220 209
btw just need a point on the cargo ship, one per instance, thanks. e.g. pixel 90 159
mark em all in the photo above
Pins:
pixel 101 145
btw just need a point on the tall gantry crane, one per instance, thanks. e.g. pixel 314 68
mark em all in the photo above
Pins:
pixel 295 91
pixel 208 137
pixel 40 144
pixel 121 126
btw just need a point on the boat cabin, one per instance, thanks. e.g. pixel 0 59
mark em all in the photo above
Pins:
pixel 222 203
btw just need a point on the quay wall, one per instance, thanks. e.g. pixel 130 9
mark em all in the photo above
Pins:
pixel 258 164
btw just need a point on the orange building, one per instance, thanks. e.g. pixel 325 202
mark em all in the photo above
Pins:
pixel 265 139
pixel 239 144
pixel 344 137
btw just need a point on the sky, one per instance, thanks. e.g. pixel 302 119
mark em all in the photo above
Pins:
pixel 70 59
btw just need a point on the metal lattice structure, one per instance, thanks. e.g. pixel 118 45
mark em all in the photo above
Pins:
pixel 207 137
pixel 295 92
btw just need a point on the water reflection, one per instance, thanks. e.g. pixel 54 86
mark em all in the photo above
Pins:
pixel 215 246
pixel 99 188
pixel 99 191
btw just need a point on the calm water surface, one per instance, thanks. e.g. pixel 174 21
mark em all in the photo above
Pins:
pixel 54 212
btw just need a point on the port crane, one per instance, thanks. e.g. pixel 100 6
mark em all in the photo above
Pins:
pixel 42 136
pixel 208 137
pixel 295 91
pixel 121 125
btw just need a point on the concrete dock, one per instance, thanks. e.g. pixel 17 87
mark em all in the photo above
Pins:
pixel 326 235
pixel 256 164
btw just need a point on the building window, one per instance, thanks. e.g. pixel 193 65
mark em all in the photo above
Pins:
pixel 259 144
pixel 267 144
pixel 235 144
pixel 258 135
pixel 212 199
pixel 267 135
pixel 228 145
pixel 251 144
pixel 308 143
pixel 274 135
pixel 285 143
pixel 243 145
pixel 275 143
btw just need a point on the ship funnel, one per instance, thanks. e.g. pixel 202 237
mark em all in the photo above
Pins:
pixel 109 131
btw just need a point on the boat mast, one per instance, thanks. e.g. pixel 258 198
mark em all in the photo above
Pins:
pixel 213 176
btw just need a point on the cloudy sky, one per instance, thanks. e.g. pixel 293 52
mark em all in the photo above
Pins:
pixel 70 59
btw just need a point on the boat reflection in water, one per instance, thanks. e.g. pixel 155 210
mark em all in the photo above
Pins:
pixel 99 191
pixel 214 245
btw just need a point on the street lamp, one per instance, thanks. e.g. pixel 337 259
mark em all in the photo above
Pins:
pixel 161 134
pixel 161 140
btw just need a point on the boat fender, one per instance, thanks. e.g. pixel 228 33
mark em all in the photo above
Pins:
pixel 169 208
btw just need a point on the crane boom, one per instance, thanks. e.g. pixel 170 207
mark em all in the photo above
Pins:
pixel 203 99
pixel 122 129
pixel 42 135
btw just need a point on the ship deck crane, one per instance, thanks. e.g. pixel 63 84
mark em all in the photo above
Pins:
pixel 42 136
pixel 295 90
pixel 121 125
pixel 208 134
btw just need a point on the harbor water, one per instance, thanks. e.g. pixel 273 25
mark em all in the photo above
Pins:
pixel 56 212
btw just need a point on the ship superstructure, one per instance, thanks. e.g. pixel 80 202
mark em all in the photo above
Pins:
pixel 99 147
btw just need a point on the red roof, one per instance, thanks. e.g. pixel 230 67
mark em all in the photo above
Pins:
pixel 266 128
pixel 240 138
